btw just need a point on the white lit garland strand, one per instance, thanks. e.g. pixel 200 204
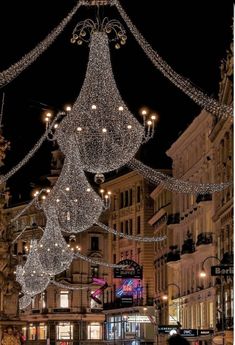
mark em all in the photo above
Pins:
pixel 176 185
pixel 210 104
pixel 97 262
pixel 103 131
pixel 70 287
pixel 76 204
pixel 30 154
pixel 130 237
pixel 14 70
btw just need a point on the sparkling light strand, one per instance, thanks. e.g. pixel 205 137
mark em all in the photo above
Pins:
pixel 69 287
pixel 174 184
pixel 131 237
pixel 97 262
pixel 14 70
pixel 185 85
pixel 104 132
pixel 30 154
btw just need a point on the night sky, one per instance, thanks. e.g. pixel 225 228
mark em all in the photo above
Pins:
pixel 56 77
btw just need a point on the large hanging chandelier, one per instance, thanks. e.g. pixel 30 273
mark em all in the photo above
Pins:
pixel 31 276
pixel 103 131
pixel 77 206
pixel 54 255
pixel 24 301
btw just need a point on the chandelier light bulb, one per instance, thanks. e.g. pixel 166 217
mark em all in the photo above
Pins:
pixel 56 125
pixel 68 108
pixel 120 108
pixel 153 117
pixel 93 106
pixel 149 123
pixel 129 126
pixel 67 189
pixel 144 112
pixel 79 129
pixel 49 115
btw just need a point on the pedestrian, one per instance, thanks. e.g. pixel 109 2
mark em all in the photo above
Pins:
pixel 177 339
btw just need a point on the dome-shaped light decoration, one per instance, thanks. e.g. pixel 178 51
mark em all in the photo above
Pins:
pixel 76 204
pixel 34 280
pixel 54 255
pixel 101 127
pixel 24 302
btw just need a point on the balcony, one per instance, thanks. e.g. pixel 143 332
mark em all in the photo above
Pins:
pixel 203 198
pixel 173 218
pixel 174 254
pixel 189 245
pixel 204 238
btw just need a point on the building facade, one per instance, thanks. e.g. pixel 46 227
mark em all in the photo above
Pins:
pixel 130 312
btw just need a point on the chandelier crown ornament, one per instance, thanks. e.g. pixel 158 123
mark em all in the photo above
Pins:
pixel 54 255
pixel 109 135
pixel 76 205
pixel 84 30
pixel 31 276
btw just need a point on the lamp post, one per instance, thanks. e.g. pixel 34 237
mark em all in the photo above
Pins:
pixel 203 275
pixel 165 297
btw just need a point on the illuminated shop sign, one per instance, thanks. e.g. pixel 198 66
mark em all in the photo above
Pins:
pixel 132 270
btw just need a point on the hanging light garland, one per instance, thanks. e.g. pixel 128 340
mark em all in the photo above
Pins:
pixel 76 204
pixel 70 287
pixel 173 184
pixel 31 276
pixel 54 255
pixel 31 153
pixel 103 131
pixel 97 262
pixel 130 237
pixel 13 71
pixel 185 85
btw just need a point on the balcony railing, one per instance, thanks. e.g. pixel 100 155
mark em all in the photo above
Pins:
pixel 173 218
pixel 204 238
pixel 173 255
pixel 203 197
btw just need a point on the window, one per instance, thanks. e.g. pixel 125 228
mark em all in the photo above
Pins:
pixel 43 300
pixel 94 330
pixel 64 299
pixel 126 227
pixel 114 258
pixel 130 226
pixel 138 230
pixel 121 200
pixel 126 201
pixel 130 197
pixel 64 330
pixel 32 331
pixel 115 228
pixel 94 243
pixel 42 331
pixel 138 194
pixel 94 271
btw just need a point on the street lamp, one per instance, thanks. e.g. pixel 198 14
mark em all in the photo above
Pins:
pixel 203 274
pixel 165 298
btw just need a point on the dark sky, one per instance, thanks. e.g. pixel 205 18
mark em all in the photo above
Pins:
pixel 192 36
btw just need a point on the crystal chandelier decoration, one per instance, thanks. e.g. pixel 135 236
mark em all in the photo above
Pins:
pixel 24 302
pixel 77 206
pixel 54 255
pixel 31 276
pixel 103 131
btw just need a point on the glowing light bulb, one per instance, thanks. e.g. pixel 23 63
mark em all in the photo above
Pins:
pixel 79 129
pixel 48 190
pixel 43 197
pixel 109 193
pixel 153 117
pixel 93 106
pixel 67 189
pixel 88 189
pixel 144 112
pixel 120 108
pixel 56 125
pixel 68 108
pixel 57 200
pixel 101 190
pixel 104 130
pixel 129 126
pixel 149 123
pixel 48 115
